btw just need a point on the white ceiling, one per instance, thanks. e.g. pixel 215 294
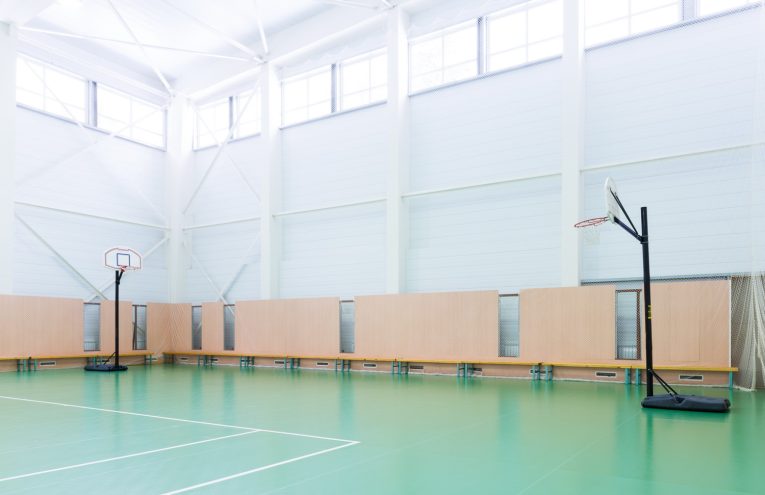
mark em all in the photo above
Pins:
pixel 183 39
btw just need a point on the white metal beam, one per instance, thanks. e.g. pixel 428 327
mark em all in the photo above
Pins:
pixel 350 3
pixel 398 151
pixel 219 224
pixel 91 215
pixel 7 153
pixel 149 60
pixel 179 162
pixel 62 34
pixel 330 207
pixel 270 250
pixel 572 142
pixel 36 174
pixel 215 31
pixel 218 153
pixel 19 12
pixel 228 156
pixel 58 255
pixel 262 33
pixel 201 267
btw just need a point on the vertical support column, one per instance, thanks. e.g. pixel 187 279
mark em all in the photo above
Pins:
pixel 398 151
pixel 178 172
pixel 271 193
pixel 7 152
pixel 572 138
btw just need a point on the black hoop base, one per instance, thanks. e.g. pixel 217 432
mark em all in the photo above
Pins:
pixel 105 367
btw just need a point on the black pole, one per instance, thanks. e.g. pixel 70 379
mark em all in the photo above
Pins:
pixel 117 277
pixel 647 299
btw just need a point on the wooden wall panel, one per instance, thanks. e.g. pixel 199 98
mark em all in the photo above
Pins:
pixel 212 327
pixel 40 326
pixel 447 325
pixel 568 324
pixel 691 323
pixel 107 326
pixel 169 327
pixel 288 327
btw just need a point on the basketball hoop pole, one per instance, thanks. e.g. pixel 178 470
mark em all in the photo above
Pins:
pixel 647 297
pixel 117 278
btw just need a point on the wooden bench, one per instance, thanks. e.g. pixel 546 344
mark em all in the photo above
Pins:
pixel 30 363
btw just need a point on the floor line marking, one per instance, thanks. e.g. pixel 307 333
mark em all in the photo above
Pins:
pixel 62 404
pixel 152 416
pixel 256 470
pixel 126 456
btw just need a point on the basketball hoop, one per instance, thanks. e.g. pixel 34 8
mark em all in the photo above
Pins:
pixel 591 236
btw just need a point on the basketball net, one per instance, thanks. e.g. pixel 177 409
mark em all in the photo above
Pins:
pixel 589 231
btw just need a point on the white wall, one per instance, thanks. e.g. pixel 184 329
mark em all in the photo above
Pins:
pixel 115 178
pixel 226 258
pixel 673 114
pixel 505 236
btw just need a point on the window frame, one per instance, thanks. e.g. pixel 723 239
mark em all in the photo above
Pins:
pixel 200 123
pixel 331 70
pixel 129 126
pixel 683 15
pixel 474 23
pixel 524 8
pixel 368 57
pixel 68 114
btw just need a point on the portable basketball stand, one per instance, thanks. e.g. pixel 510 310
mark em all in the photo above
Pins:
pixel 670 400
pixel 121 260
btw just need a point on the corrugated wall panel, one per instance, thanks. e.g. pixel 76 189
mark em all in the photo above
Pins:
pixel 334 253
pixel 502 237
pixel 499 127
pixel 679 91
pixel 335 160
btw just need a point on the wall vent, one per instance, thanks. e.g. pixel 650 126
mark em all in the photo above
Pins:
pixel 606 374
pixel 47 363
pixel 214 360
pixel 183 358
pixel 370 365
pixel 416 367
pixel 279 362
pixel 693 378
pixel 322 363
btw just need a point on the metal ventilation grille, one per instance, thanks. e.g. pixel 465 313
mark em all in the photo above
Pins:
pixel 229 318
pixel 347 326
pixel 509 317
pixel 139 327
pixel 196 328
pixel 92 330
pixel 628 324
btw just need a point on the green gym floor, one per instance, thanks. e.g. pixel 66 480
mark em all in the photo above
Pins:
pixel 175 429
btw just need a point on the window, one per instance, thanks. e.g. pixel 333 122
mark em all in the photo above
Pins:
pixel 139 327
pixel 307 96
pixel 347 326
pixel 213 123
pixel 229 326
pixel 509 327
pixel 363 80
pixel 196 328
pixel 249 121
pixel 447 56
pixel 130 117
pixel 709 7
pixel 92 326
pixel 628 324
pixel 51 90
pixel 518 37
pixel 608 20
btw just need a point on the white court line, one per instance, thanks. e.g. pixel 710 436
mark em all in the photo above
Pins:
pixel 262 468
pixel 181 420
pixel 127 456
